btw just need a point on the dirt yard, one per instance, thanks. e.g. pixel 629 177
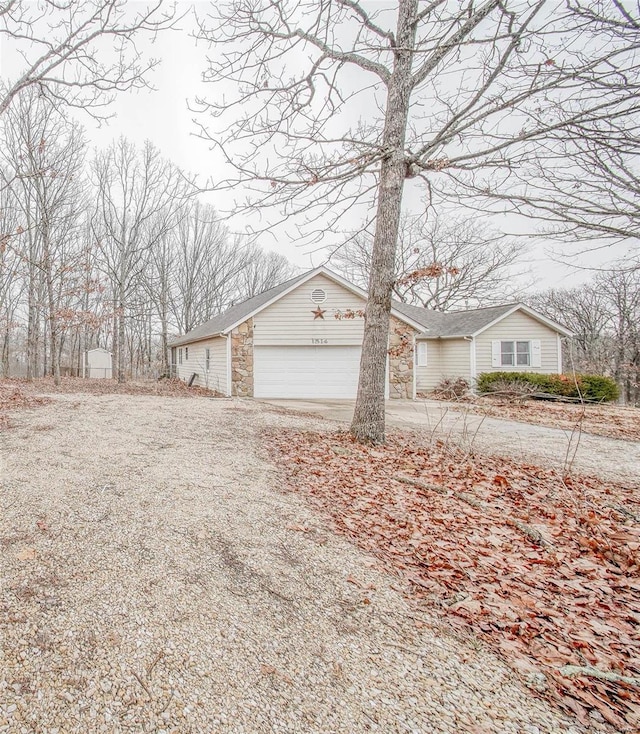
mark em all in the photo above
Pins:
pixel 156 578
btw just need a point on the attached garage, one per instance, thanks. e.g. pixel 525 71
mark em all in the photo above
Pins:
pixel 306 371
pixel 303 338
pixel 300 340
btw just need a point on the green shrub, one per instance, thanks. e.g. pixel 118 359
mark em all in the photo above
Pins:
pixel 598 387
pixel 594 388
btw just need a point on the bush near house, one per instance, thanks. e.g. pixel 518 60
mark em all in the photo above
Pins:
pixel 594 388
pixel 451 388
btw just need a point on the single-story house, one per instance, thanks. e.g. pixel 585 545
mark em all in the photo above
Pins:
pixel 303 339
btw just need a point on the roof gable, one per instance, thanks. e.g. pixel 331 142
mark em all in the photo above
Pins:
pixel 225 322
pixel 474 322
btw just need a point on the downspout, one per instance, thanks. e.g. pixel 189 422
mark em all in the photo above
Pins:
pixel 228 338
pixel 415 367
pixel 473 370
pixel 559 338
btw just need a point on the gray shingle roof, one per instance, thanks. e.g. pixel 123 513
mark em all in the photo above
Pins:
pixel 435 323
pixel 453 323
pixel 220 323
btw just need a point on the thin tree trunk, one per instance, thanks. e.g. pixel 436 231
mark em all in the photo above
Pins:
pixel 4 361
pixel 32 323
pixel 121 334
pixel 51 302
pixel 368 420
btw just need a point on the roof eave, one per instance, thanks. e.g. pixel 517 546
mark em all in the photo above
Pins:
pixel 181 341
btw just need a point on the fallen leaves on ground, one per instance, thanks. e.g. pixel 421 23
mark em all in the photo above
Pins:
pixel 461 530
pixel 613 421
pixel 165 387
pixel 12 397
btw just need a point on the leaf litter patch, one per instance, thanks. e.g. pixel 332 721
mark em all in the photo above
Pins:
pixel 12 397
pixel 542 567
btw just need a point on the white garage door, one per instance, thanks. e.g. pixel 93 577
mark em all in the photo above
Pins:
pixel 306 372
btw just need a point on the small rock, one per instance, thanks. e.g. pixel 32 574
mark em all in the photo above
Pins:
pixel 537 681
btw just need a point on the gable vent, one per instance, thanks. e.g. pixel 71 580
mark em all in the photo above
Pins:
pixel 318 295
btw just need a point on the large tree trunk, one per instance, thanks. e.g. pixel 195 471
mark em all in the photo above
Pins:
pixel 368 419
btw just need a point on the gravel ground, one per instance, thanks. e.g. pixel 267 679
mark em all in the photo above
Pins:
pixel 154 579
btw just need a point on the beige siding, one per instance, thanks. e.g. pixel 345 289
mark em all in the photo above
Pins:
pixel 290 320
pixel 456 358
pixel 216 378
pixel 518 326
pixel 429 376
pixel 446 358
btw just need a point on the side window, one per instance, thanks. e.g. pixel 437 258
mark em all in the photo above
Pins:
pixel 186 354
pixel 180 355
pixel 507 357
pixel 207 359
pixel 523 353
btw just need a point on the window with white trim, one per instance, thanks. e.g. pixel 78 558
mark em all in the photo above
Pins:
pixel 421 354
pixel 180 355
pixel 516 353
pixel 207 359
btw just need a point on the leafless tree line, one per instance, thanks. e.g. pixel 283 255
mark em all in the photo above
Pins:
pixel 605 317
pixel 442 263
pixel 112 250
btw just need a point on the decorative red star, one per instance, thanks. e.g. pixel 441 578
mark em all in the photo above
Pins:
pixel 318 314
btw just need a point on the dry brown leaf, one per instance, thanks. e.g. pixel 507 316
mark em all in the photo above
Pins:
pixel 26 554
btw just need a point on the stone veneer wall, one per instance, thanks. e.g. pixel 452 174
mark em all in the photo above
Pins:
pixel 400 359
pixel 242 360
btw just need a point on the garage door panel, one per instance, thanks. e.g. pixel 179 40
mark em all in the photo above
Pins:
pixel 306 372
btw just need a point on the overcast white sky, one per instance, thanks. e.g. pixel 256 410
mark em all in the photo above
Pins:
pixel 163 117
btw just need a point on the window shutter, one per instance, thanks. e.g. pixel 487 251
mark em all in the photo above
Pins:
pixel 421 357
pixel 536 353
pixel 496 360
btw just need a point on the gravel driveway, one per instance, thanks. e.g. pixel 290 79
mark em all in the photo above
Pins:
pixel 608 458
pixel 154 579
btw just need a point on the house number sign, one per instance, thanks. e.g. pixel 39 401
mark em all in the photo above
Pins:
pixel 319 341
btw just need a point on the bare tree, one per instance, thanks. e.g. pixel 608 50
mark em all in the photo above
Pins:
pixel 45 155
pixel 622 288
pixel 604 315
pixel 206 267
pixel 340 102
pixel 473 263
pixel 584 183
pixel 10 282
pixel 586 311
pixel 139 200
pixel 261 271
pixel 78 53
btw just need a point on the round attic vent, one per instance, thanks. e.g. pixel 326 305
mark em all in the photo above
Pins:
pixel 318 295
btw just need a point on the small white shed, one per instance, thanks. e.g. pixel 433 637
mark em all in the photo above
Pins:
pixel 97 363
